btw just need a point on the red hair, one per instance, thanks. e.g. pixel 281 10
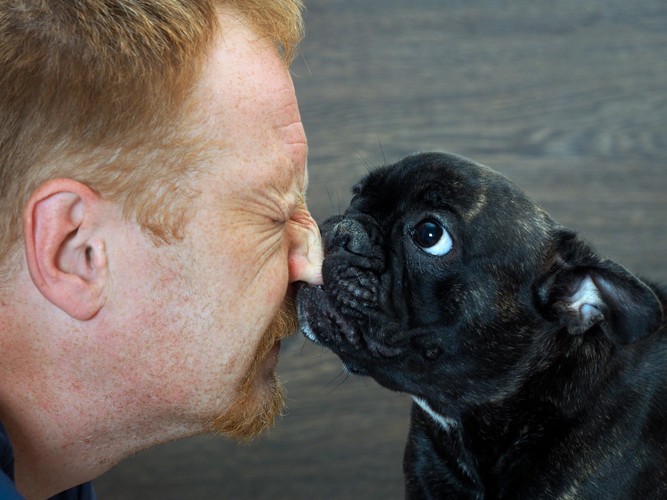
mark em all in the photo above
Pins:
pixel 96 90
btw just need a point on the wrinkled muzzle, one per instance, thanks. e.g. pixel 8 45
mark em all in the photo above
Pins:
pixel 346 312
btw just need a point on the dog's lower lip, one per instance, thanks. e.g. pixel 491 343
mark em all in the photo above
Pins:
pixel 308 333
pixel 356 370
pixel 304 311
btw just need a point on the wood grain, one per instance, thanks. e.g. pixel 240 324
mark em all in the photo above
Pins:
pixel 568 98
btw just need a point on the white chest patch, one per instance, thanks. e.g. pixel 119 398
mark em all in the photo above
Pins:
pixel 445 422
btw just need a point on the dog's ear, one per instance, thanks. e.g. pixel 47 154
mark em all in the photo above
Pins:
pixel 581 291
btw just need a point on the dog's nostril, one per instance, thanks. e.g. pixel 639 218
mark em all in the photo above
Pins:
pixel 350 235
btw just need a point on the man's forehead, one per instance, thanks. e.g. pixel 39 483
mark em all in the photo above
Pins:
pixel 245 66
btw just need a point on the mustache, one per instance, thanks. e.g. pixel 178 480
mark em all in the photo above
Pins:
pixel 249 418
pixel 285 322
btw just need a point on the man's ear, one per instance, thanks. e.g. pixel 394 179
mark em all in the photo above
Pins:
pixel 65 248
pixel 581 291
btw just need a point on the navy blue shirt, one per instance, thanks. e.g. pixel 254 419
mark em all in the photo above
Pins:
pixel 8 488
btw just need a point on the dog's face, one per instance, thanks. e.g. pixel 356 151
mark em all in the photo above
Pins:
pixel 443 278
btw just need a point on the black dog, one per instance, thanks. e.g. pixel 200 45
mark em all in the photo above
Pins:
pixel 538 369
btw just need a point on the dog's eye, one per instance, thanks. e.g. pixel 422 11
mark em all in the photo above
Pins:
pixel 431 237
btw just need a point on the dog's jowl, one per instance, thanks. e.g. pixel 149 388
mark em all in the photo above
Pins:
pixel 538 368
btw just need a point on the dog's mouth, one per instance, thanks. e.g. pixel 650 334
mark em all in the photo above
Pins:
pixel 323 323
pixel 319 319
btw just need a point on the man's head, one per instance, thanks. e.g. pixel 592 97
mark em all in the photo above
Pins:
pixel 100 91
pixel 120 341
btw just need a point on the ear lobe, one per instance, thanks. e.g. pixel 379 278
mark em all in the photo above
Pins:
pixel 583 291
pixel 65 254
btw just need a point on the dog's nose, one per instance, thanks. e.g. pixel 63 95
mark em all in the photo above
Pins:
pixel 349 235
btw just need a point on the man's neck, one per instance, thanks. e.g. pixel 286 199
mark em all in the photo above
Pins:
pixel 45 466
pixel 42 467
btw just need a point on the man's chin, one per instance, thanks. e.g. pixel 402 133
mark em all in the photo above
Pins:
pixel 253 412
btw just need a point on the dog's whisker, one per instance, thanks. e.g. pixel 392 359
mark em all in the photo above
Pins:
pixel 345 377
pixel 331 201
pixel 384 157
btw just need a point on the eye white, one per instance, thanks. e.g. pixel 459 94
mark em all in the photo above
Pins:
pixel 443 247
pixel 432 238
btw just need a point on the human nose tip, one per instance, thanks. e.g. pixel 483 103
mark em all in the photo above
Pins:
pixel 306 254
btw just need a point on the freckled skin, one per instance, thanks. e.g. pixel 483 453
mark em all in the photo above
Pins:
pixel 181 324
pixel 234 264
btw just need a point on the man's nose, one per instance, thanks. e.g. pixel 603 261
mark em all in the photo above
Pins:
pixel 305 255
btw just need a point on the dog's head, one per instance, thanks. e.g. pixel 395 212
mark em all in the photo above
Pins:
pixel 443 277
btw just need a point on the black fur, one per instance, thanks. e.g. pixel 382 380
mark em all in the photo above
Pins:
pixel 542 365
